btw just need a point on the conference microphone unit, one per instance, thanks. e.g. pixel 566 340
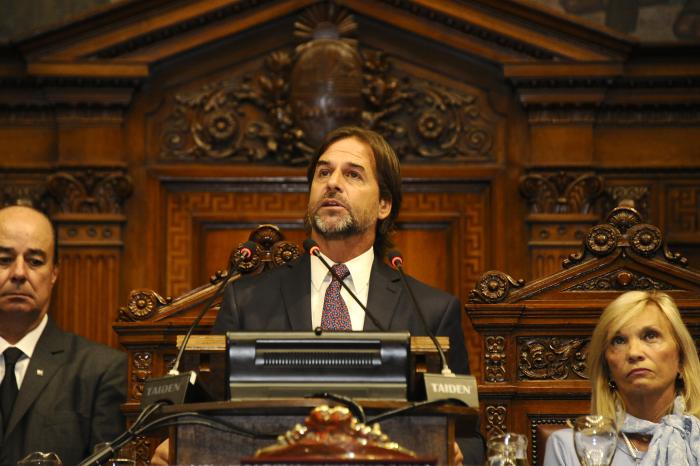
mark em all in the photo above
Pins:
pixel 313 249
pixel 176 388
pixel 447 384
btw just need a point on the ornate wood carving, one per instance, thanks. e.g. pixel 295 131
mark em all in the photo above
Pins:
pixel 141 369
pixel 683 215
pixel 335 434
pixel 493 287
pixel 90 190
pixel 622 280
pixel 22 188
pixel 496 420
pixel 639 195
pixel 495 359
pixel 551 358
pixel 561 192
pixel 284 110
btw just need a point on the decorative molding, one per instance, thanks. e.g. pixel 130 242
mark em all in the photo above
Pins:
pixel 141 369
pixel 561 192
pixel 280 113
pixel 621 280
pixel 493 287
pixel 683 211
pixel 496 420
pixel 92 191
pixel 23 188
pixel 551 358
pixel 495 359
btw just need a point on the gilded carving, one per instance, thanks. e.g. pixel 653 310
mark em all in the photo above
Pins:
pixel 621 280
pixel 561 192
pixel 90 191
pixel 282 111
pixel 552 358
pixel 495 359
pixel 496 417
pixel 493 287
pixel 142 367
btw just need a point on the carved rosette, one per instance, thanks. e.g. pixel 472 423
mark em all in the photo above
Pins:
pixel 496 416
pixel 495 359
pixel 334 433
pixel 142 368
pixel 283 252
pixel 561 192
pixel 602 239
pixel 621 280
pixel 493 287
pixel 90 191
pixel 142 305
pixel 644 239
pixel 552 358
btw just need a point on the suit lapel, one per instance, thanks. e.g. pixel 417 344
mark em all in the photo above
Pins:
pixel 49 356
pixel 384 293
pixel 296 293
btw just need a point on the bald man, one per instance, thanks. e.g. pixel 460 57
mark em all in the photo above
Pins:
pixel 62 393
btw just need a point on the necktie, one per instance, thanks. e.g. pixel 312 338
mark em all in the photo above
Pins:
pixel 335 316
pixel 8 388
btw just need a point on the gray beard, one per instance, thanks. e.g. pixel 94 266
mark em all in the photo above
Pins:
pixel 346 227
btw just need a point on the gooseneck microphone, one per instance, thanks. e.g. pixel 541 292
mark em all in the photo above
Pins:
pixel 313 249
pixel 397 263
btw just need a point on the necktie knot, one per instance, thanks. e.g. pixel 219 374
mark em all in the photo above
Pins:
pixel 341 270
pixel 12 355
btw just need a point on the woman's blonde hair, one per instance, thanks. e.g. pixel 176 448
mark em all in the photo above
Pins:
pixel 617 315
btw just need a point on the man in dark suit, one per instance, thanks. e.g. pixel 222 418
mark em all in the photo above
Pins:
pixel 59 392
pixel 354 197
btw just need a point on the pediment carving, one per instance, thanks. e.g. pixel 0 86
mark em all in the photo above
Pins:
pixel 281 112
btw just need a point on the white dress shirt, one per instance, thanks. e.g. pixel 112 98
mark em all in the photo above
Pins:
pixel 358 281
pixel 26 345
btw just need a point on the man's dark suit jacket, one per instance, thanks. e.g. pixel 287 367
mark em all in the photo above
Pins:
pixel 69 400
pixel 280 300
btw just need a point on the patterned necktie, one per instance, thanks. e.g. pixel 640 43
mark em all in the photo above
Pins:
pixel 8 388
pixel 335 315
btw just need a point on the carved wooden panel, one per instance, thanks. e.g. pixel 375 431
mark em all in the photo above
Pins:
pixel 683 214
pixel 552 358
pixel 496 420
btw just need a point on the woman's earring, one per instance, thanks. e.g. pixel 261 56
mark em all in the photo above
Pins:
pixel 680 383
pixel 612 385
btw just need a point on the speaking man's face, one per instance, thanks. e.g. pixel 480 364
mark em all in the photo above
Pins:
pixel 344 196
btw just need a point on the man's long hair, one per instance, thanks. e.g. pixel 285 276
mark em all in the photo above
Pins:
pixel 387 171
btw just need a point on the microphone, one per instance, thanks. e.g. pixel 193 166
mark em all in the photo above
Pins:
pixel 397 263
pixel 313 249
pixel 174 386
pixel 446 385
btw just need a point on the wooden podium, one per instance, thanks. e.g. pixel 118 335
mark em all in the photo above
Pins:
pixel 428 431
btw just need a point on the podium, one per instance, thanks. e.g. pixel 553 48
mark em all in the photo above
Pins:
pixel 429 431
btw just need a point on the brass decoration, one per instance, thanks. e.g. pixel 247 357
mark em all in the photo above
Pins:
pixel 334 433
pixel 602 239
pixel 496 416
pixel 142 305
pixel 561 192
pixel 645 239
pixel 90 191
pixel 142 368
pixel 495 358
pixel 493 287
pixel 552 358
pixel 281 113
pixel 621 280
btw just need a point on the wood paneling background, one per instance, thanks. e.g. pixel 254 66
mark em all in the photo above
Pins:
pixel 158 134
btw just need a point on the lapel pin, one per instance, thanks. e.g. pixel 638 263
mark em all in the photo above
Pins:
pixel 40 372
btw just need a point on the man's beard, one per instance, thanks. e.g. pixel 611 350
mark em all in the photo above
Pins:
pixel 341 227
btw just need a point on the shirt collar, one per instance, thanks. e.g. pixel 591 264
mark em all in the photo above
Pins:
pixel 28 342
pixel 360 269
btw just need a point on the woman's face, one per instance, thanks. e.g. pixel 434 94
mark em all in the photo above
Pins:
pixel 643 356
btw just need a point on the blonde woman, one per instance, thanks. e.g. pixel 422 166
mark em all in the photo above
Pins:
pixel 645 373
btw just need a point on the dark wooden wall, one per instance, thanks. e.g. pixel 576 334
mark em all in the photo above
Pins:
pixel 518 129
